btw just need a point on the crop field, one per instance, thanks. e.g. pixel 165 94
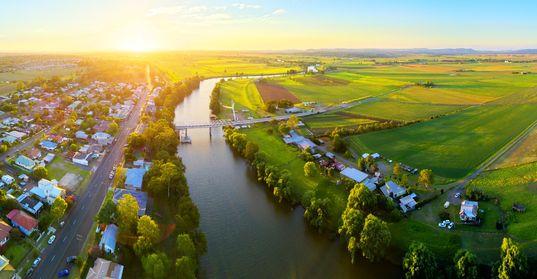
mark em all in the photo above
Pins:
pixel 181 65
pixel 453 145
pixel 271 92
pixel 401 111
pixel 336 119
pixel 525 152
pixel 245 95
pixel 336 87
pixel 29 75
pixel 514 185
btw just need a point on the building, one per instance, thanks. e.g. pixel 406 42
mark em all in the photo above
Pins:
pixel 105 269
pixel 24 222
pixel 300 141
pixel 134 178
pixel 4 262
pixel 109 239
pixel 354 174
pixel 392 190
pixel 25 163
pixel 102 126
pixel 102 138
pixel 408 202
pixel 49 157
pixel 293 110
pixel 48 145
pixel 47 190
pixel 81 135
pixel 5 229
pixel 468 212
pixel 82 158
pixel 34 153
pixel 141 198
pixel 8 179
pixel 371 183
pixel 29 203
pixel 9 139
pixel 16 134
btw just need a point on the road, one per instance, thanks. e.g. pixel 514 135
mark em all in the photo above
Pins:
pixel 70 239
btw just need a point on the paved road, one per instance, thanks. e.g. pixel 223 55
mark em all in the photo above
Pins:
pixel 70 239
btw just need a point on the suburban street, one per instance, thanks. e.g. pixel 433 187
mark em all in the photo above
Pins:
pixel 79 220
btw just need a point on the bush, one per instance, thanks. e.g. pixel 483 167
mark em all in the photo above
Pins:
pixel 444 215
pixel 475 194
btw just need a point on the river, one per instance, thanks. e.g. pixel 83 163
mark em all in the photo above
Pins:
pixel 248 234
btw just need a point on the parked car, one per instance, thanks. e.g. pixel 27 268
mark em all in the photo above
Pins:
pixel 70 259
pixel 111 175
pixel 29 272
pixel 63 273
pixel 457 195
pixel 51 239
pixel 36 262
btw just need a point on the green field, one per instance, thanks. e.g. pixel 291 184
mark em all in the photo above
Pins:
pixel 400 111
pixel 453 145
pixel 285 157
pixel 336 119
pixel 29 75
pixel 514 185
pixel 245 95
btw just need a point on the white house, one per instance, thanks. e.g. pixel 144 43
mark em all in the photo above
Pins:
pixel 468 211
pixel 102 138
pixel 408 202
pixel 82 158
pixel 47 190
pixel 81 135
pixel 392 190
pixel 8 179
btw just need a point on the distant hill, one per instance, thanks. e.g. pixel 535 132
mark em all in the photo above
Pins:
pixel 410 51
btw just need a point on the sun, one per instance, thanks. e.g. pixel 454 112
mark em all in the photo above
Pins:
pixel 137 45
pixel 136 38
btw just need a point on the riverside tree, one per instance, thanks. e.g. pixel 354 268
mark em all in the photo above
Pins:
pixel 375 238
pixel 513 263
pixel 360 197
pixel 465 264
pixel 419 262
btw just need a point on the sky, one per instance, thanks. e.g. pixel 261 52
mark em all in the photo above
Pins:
pixel 143 25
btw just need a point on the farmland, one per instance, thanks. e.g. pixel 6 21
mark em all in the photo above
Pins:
pixel 244 93
pixel 454 145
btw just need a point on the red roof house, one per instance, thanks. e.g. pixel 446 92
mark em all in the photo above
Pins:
pixel 26 223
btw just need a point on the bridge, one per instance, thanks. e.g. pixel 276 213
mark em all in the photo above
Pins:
pixel 235 123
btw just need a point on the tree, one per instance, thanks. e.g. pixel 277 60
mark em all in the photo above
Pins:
pixel 310 169
pixel 352 222
pixel 155 265
pixel 292 122
pixel 113 128
pixel 148 229
pixel 127 209
pixel 375 238
pixel 352 247
pixel 185 268
pixel 250 150
pixel 107 212
pixel 185 246
pixel 284 129
pixel 397 170
pixel 40 172
pixel 57 210
pixel 513 263
pixel 362 198
pixel 465 264
pixel 426 178
pixel 338 144
pixel 361 164
pixel 419 262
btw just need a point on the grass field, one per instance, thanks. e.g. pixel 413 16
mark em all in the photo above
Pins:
pixel 451 146
pixel 394 110
pixel 285 157
pixel 335 119
pixel 245 95
pixel 514 185
pixel 59 167
pixel 525 152
pixel 29 75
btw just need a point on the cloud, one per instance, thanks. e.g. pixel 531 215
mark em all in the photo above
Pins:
pixel 279 12
pixel 243 6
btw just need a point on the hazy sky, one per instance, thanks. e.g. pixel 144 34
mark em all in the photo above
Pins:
pixel 68 25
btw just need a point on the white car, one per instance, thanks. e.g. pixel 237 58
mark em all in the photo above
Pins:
pixel 441 225
pixel 51 239
pixel 457 195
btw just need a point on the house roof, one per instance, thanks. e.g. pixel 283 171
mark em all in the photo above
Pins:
pixel 25 161
pixel 392 187
pixel 5 228
pixel 354 174
pixel 105 269
pixel 109 237
pixel 22 219
pixel 141 198
pixel 49 144
pixel 135 177
pixel 469 208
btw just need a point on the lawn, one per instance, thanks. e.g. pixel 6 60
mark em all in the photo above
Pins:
pixel 59 167
pixel 514 185
pixel 16 251
pixel 454 145
pixel 286 157
pixel 335 119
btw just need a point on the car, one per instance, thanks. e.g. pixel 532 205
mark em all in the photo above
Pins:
pixel 457 195
pixel 62 223
pixel 70 259
pixel 111 175
pixel 51 239
pixel 441 225
pixel 36 262
pixel 29 272
pixel 63 273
